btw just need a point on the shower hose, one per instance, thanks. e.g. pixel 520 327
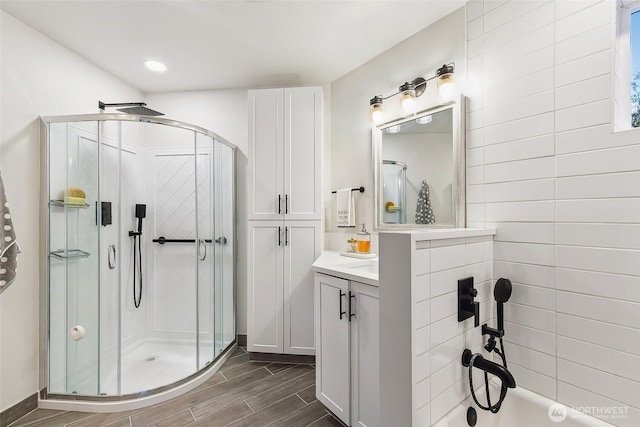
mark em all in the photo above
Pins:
pixel 137 267
pixel 503 389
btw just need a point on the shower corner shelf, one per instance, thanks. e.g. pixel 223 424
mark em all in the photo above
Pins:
pixel 70 254
pixel 62 203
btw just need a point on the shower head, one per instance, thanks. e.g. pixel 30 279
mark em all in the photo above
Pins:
pixel 141 111
pixel 138 108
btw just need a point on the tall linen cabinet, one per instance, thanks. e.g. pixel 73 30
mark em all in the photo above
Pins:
pixel 285 217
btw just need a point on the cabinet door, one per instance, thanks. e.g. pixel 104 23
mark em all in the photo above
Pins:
pixel 365 360
pixel 266 156
pixel 264 286
pixel 332 345
pixel 302 247
pixel 302 144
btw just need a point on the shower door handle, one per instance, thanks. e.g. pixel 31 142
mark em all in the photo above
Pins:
pixel 111 257
pixel 201 244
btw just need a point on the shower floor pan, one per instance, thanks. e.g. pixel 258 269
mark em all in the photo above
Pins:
pixel 146 371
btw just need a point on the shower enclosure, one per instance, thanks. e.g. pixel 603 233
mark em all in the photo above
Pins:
pixel 139 246
pixel 394 194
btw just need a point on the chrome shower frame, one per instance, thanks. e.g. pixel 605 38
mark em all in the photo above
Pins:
pixel 141 399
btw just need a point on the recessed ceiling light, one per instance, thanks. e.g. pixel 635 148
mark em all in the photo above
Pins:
pixel 155 66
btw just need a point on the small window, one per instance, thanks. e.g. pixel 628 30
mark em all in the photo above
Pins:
pixel 627 66
pixel 634 41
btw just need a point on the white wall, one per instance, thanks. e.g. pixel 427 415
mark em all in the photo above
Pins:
pixel 563 193
pixel 422 378
pixel 419 55
pixel 38 77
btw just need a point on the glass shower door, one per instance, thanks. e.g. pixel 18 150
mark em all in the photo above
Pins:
pixel 225 238
pixel 108 219
pixel 205 249
pixel 74 338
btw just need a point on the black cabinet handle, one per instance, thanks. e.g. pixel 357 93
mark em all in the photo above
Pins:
pixel 279 237
pixel 279 204
pixel 286 203
pixel 286 236
pixel 342 312
pixel 351 298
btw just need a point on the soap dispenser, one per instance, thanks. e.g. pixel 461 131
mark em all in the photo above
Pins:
pixel 364 241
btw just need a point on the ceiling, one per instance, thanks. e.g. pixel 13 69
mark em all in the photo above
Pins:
pixel 210 44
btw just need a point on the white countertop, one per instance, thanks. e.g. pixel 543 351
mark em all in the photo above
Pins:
pixel 366 270
pixel 444 233
pixel 358 270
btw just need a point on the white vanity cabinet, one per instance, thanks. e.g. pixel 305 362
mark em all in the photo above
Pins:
pixel 347 348
pixel 285 131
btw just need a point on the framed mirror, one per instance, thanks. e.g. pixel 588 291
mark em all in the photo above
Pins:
pixel 419 167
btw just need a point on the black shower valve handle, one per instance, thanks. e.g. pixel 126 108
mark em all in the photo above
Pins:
pixel 476 313
pixel 473 292
pixel 467 306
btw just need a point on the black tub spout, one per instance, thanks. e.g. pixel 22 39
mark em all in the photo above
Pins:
pixel 490 367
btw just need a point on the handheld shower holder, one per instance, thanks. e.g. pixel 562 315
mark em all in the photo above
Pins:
pixel 496 333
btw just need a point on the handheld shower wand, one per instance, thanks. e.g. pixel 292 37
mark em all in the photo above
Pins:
pixel 502 293
pixel 140 212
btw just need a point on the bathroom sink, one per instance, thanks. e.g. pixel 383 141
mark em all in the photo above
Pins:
pixel 365 266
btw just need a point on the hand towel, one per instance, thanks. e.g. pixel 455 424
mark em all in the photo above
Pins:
pixel 346 208
pixel 424 211
pixel 9 248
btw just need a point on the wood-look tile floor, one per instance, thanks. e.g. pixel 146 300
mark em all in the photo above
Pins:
pixel 243 393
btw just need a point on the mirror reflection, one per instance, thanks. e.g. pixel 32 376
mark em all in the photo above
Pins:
pixel 418 171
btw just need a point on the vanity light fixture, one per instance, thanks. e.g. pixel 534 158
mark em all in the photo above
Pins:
pixel 409 91
pixel 424 120
pixel 393 129
pixel 446 81
pixel 376 109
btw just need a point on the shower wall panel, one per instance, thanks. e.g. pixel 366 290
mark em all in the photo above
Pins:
pixel 174 290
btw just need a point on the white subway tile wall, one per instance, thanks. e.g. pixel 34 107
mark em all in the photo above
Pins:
pixel 563 192
pixel 439 381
